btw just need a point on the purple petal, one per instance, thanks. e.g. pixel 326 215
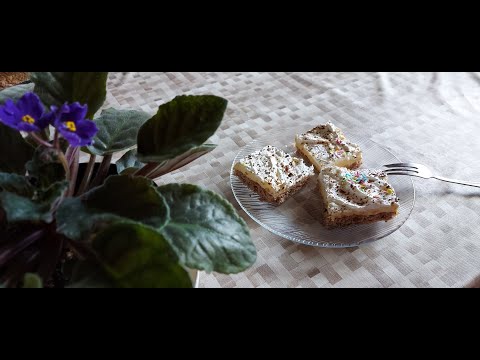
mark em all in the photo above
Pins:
pixel 30 104
pixel 7 118
pixel 77 112
pixel 62 113
pixel 65 108
pixel 71 137
pixel 54 110
pixel 86 129
pixel 10 107
pixel 47 119
pixel 83 135
pixel 24 126
pixel 73 112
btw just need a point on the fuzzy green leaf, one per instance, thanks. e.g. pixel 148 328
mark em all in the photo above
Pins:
pixel 135 256
pixel 118 130
pixel 16 184
pixel 14 151
pixel 46 167
pixel 184 123
pixel 120 198
pixel 37 209
pixel 205 230
pixel 56 88
pixel 14 93
pixel 129 163
pixel 32 281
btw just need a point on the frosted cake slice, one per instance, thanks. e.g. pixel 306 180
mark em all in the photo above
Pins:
pixel 273 174
pixel 356 196
pixel 327 145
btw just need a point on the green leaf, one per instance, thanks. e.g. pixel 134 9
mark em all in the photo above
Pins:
pixel 16 184
pixel 32 281
pixel 135 256
pixel 46 167
pixel 129 163
pixel 118 130
pixel 91 275
pixel 14 92
pixel 37 209
pixel 56 88
pixel 180 125
pixel 181 160
pixel 205 230
pixel 14 151
pixel 120 198
pixel 52 193
pixel 131 198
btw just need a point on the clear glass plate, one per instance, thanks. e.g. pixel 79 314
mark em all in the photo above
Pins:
pixel 297 218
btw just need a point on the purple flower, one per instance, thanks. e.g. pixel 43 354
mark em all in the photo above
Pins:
pixel 71 123
pixel 26 115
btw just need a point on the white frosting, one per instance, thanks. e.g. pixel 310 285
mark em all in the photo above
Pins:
pixel 274 169
pixel 366 190
pixel 327 144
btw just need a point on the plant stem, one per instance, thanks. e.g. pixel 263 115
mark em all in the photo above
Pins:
pixel 69 154
pixel 10 251
pixel 147 169
pixel 44 134
pixel 56 140
pixel 74 172
pixel 39 140
pixel 24 262
pixel 72 153
pixel 102 171
pixel 63 160
pixel 88 175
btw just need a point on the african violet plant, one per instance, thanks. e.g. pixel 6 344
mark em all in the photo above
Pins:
pixel 108 225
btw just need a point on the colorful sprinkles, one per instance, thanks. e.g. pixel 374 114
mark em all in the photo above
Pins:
pixel 364 182
pixel 327 143
pixel 357 177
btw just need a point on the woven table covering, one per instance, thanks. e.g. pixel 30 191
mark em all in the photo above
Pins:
pixel 429 118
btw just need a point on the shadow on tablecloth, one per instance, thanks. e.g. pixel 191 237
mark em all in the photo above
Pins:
pixel 475 283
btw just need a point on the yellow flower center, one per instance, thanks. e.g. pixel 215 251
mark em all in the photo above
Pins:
pixel 71 126
pixel 28 119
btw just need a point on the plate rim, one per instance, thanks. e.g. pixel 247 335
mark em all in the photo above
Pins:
pixel 326 244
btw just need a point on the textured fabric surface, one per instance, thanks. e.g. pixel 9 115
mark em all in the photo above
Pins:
pixel 430 118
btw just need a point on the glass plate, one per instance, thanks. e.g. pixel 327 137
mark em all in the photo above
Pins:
pixel 297 218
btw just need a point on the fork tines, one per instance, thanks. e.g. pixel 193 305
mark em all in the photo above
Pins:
pixel 403 165
pixel 402 169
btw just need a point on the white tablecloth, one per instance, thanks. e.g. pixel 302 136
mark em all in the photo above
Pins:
pixel 430 118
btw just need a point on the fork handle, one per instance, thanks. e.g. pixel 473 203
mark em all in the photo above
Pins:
pixel 457 181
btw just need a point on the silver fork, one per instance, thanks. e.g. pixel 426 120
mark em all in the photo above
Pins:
pixel 421 171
